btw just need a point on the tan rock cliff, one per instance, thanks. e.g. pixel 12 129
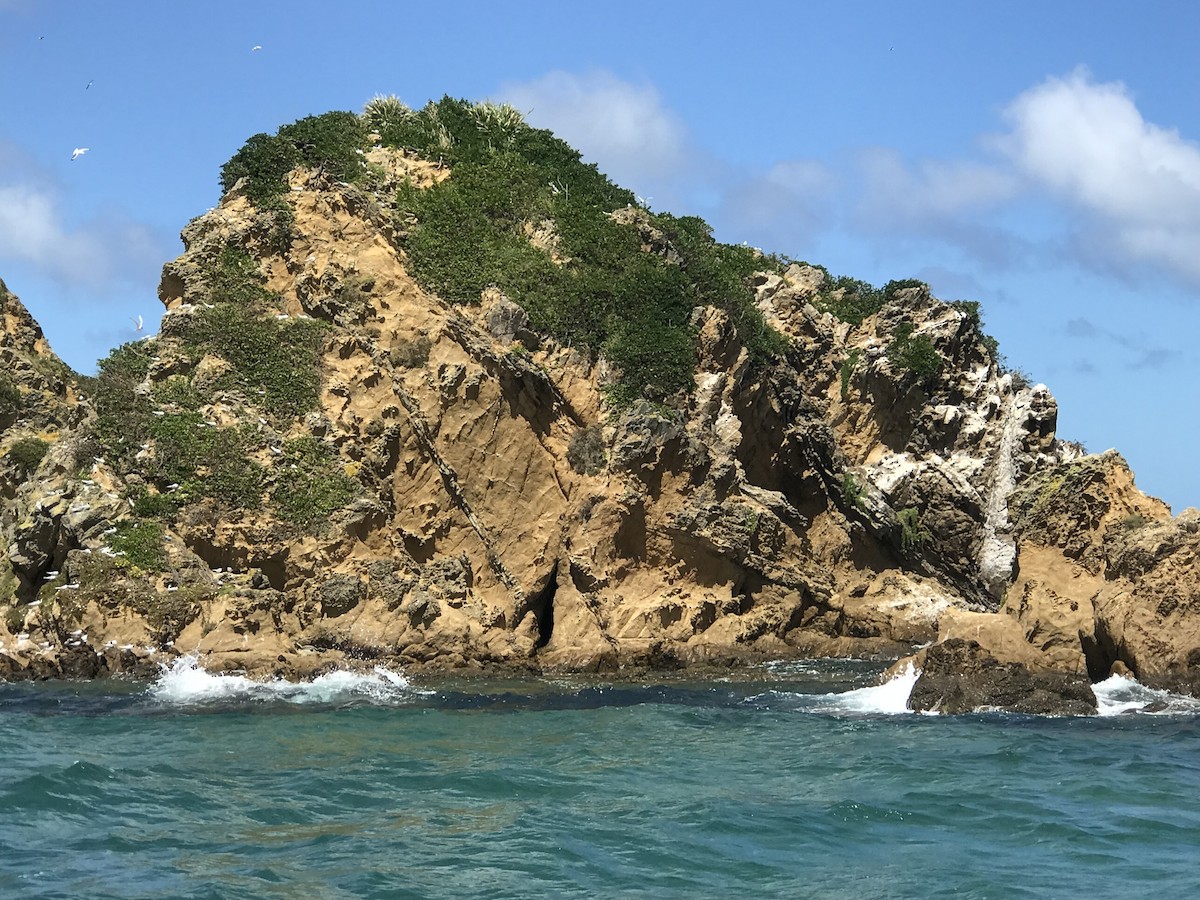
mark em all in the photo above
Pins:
pixel 475 499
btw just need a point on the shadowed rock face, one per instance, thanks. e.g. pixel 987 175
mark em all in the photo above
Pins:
pixel 442 486
pixel 959 676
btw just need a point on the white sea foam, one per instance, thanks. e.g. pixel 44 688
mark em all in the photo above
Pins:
pixel 186 683
pixel 1119 694
pixel 889 698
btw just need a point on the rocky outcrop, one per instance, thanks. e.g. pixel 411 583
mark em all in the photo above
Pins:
pixel 959 676
pixel 318 462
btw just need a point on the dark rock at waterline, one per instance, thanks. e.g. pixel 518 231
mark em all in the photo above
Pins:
pixel 959 676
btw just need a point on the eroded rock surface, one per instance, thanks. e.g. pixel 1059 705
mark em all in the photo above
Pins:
pixel 460 492
pixel 959 676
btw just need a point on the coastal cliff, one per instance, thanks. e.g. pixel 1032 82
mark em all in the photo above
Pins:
pixel 429 391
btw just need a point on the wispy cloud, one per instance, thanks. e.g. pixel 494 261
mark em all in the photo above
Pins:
pixel 34 231
pixel 947 201
pixel 784 206
pixel 624 126
pixel 931 191
pixel 1141 352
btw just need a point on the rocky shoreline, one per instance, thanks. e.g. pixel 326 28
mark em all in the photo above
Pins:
pixel 444 486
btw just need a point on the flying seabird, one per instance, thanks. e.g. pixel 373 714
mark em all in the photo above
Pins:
pixel 78 152
pixel 256 48
pixel 137 322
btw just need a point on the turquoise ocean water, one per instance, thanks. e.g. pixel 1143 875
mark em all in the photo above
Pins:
pixel 792 780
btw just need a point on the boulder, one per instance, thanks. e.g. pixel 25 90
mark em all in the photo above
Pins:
pixel 960 676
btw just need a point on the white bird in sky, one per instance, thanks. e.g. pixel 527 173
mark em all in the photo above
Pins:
pixel 78 152
pixel 256 48
pixel 137 322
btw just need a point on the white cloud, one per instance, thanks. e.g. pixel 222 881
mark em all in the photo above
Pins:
pixel 32 231
pixel 933 190
pixel 782 208
pixel 624 128
pixel 1134 186
pixel 1078 173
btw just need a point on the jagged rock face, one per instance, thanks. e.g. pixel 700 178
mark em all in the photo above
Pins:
pixel 949 446
pixel 959 676
pixel 37 389
pixel 455 489
pixel 1106 581
pixel 39 412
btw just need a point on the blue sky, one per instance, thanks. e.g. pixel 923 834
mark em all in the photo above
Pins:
pixel 1042 158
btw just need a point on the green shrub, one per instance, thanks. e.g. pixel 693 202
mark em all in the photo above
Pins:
pixel 26 454
pixel 204 461
pixel 1134 521
pixel 122 415
pixel 177 391
pixel 721 276
pixel 275 224
pixel 155 506
pixel 971 310
pixel 141 543
pixel 852 491
pixel 200 459
pixel 10 396
pixel 412 354
pixel 274 362
pixel 849 299
pixel 385 112
pixel 847 371
pixel 312 483
pixel 895 286
pixel 329 143
pixel 264 161
pixel 913 353
pixel 235 278
pixel 912 535
pixel 852 300
pixel 1021 379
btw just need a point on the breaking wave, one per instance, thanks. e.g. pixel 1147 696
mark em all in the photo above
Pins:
pixel 889 698
pixel 1120 695
pixel 186 683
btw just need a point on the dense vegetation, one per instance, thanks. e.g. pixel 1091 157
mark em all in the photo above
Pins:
pixel 626 289
pixel 26 453
pixel 330 142
pixel 271 367
pixel 913 353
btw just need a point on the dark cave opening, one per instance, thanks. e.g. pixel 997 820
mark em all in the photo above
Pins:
pixel 542 607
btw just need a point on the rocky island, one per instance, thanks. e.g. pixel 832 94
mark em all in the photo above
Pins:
pixel 429 391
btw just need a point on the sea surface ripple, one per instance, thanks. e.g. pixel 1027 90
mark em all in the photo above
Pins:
pixel 794 780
